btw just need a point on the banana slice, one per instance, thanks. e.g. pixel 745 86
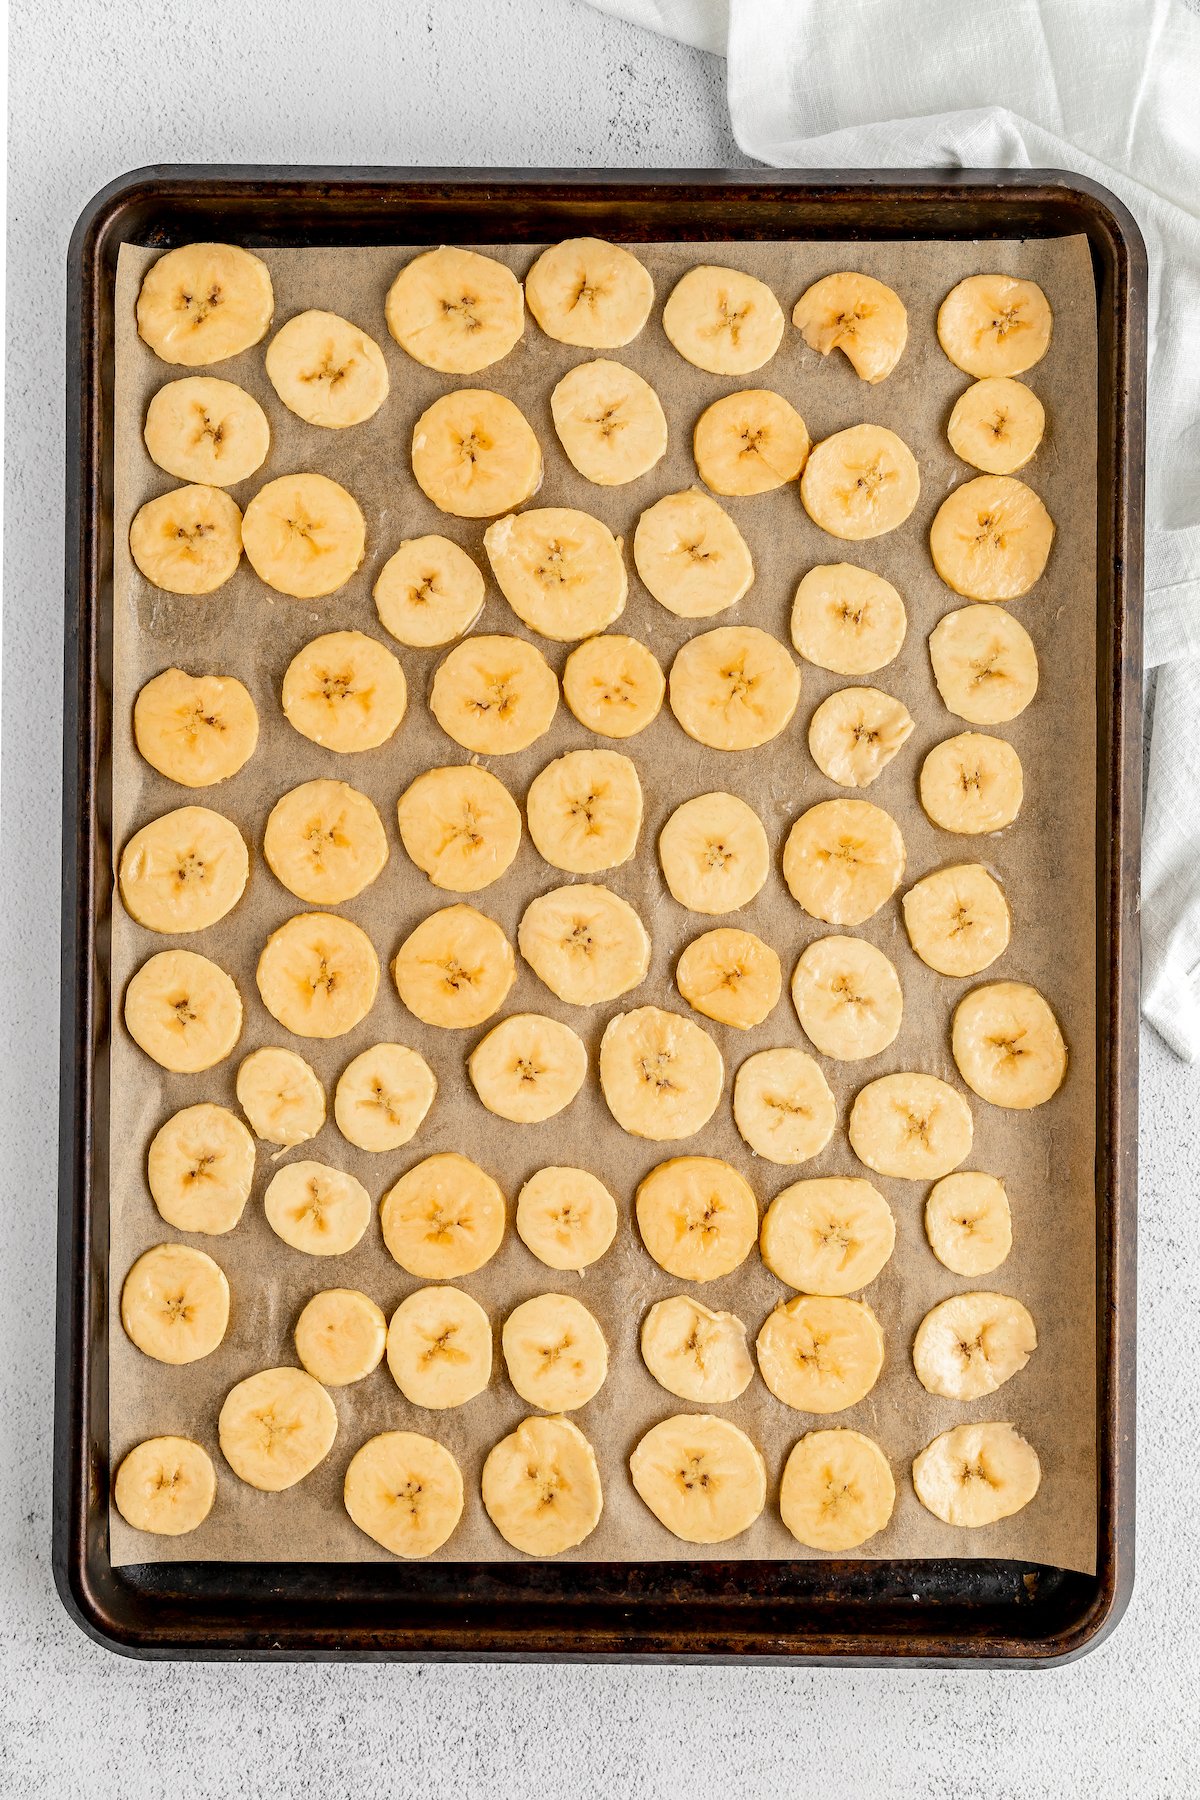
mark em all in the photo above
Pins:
pixel 455 310
pixel 589 293
pixel 698 1217
pixel 610 422
pixel 382 1097
pixel 439 1348
pixel 613 686
pixel 494 695
pixel 854 735
pixel 701 1477
pixel 860 483
pixel 560 570
pixel 848 620
pixel 199 1169
pixel 584 811
pixel 175 1304
pixel 857 315
pixel 474 454
pixel 541 1487
pixel 730 976
pixel 443 1219
pixel 428 592
pixel 195 729
pixel 304 535
pixel 977 1474
pixel 345 691
pixel 694 1353
pixel 991 538
pixel 828 1236
pixel 957 919
pixel 971 1344
pixel 318 975
pixel 566 1217
pixel 275 1427
pixel 912 1126
pixel 843 860
pixel 166 1485
pixel 837 1490
pixel 714 853
pixel 184 871
pixel 782 1106
pixel 405 1491
pixel 326 370
pixel 968 1223
pixel 819 1353
pixel 340 1336
pixel 281 1096
pixel 994 325
pixel 734 688
pixel 585 943
pixel 847 997
pixel 455 969
pixel 188 541
pixel 749 443
pixel 691 555
pixel 208 431
pixel 203 303
pixel 316 1209
pixel 660 1074
pixel 528 1068
pixel 972 784
pixel 460 826
pixel 183 1011
pixel 723 320
pixel 1008 1045
pixel 984 663
pixel 554 1352
pixel 996 425
pixel 325 842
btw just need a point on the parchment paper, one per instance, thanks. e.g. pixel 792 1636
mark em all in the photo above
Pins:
pixel 1045 862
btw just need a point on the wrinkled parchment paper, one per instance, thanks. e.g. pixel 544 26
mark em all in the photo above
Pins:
pixel 1045 862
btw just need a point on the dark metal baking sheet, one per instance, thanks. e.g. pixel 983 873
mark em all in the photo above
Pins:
pixel 949 1610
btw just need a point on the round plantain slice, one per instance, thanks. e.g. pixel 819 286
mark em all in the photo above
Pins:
pixel 318 975
pixel 428 592
pixel 340 1337
pixel 183 1011
pixel 166 1485
pixel 345 691
pixel 455 310
pixel 188 541
pixel 304 535
pixel 195 729
pixel 994 325
pixel 474 454
pixel 202 303
pixel 723 320
pixel 183 871
pixel 326 370
pixel 589 293
pixel 208 431
pixel 405 1491
pixel 860 483
pixel 609 421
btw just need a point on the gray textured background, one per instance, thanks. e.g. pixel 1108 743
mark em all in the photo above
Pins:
pixel 104 85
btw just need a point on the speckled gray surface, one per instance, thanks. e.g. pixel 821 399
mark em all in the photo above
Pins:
pixel 100 86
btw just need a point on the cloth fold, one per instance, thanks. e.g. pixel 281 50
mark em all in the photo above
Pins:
pixel 1108 89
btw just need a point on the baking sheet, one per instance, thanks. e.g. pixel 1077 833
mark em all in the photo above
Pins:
pixel 1046 862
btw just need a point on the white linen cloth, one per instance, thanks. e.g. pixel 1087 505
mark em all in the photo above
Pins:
pixel 1110 89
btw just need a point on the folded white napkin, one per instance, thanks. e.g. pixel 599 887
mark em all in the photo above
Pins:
pixel 1111 89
